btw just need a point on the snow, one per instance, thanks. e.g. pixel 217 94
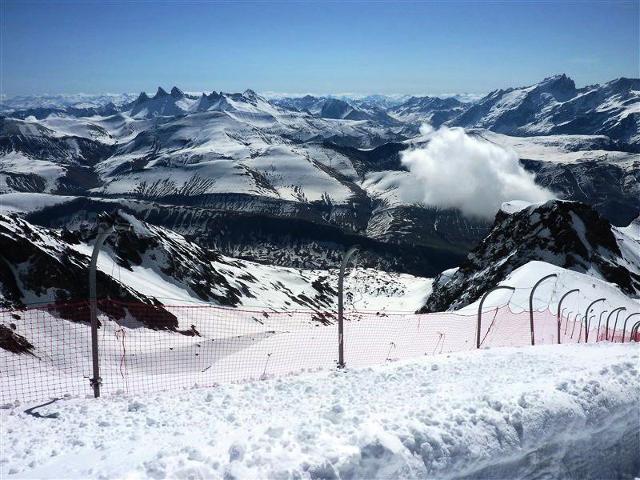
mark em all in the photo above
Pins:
pixel 393 187
pixel 28 169
pixel 515 206
pixel 22 202
pixel 144 279
pixel 213 153
pixel 632 230
pixel 274 287
pixel 568 411
pixel 62 126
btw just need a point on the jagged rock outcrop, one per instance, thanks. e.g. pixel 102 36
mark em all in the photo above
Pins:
pixel 570 235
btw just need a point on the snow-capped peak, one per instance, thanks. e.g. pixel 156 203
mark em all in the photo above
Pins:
pixel 250 94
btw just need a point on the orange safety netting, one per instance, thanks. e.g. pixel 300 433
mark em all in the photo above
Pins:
pixel 45 351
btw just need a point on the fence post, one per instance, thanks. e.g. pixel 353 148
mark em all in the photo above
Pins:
pixel 533 340
pixel 634 331
pixel 599 323
pixel 586 318
pixel 560 305
pixel 566 324
pixel 588 324
pixel 575 319
pixel 345 260
pixel 619 309
pixel 104 230
pixel 498 287
pixel 615 325
pixel 624 329
pixel 106 226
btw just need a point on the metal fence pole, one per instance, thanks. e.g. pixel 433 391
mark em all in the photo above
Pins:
pixel 615 325
pixel 345 261
pixel 104 231
pixel 624 328
pixel 560 305
pixel 533 339
pixel 566 324
pixel 575 320
pixel 108 225
pixel 588 323
pixel 619 309
pixel 499 287
pixel 634 331
pixel 580 332
pixel 586 318
pixel 599 323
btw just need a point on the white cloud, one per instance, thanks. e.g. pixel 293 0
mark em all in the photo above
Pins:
pixel 456 170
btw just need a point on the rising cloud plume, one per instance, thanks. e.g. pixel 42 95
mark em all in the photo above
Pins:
pixel 456 170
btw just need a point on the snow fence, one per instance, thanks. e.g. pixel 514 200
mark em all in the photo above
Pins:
pixel 45 351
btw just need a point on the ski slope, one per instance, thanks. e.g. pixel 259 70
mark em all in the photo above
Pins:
pixel 567 411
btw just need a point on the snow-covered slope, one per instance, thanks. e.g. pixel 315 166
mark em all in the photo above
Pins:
pixel 35 158
pixel 29 202
pixel 154 265
pixel 42 266
pixel 210 152
pixel 565 234
pixel 584 168
pixel 560 412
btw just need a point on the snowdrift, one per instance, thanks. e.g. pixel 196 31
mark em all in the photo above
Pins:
pixel 557 412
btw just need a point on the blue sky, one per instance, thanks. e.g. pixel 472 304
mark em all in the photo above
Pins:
pixel 357 47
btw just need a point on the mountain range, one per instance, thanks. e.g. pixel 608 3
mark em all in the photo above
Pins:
pixel 293 181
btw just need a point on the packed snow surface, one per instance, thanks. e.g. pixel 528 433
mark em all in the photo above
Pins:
pixel 568 411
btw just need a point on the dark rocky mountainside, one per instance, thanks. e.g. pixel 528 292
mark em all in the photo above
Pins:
pixel 38 265
pixel 278 240
pixel 143 268
pixel 567 234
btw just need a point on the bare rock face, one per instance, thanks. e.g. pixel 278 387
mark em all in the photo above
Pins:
pixel 13 342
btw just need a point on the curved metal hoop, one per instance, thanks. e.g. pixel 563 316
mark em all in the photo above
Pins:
pixel 560 311
pixel 479 325
pixel 635 330
pixel 587 319
pixel 625 324
pixel 606 332
pixel 531 325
